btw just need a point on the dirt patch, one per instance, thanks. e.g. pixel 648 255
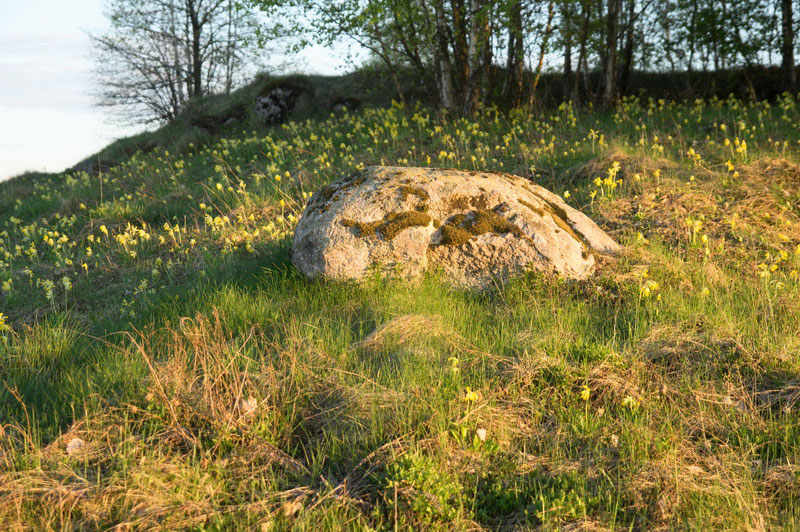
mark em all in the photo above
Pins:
pixel 404 330
pixel 629 166
pixel 779 171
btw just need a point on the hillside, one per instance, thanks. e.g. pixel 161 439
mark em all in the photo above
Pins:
pixel 165 366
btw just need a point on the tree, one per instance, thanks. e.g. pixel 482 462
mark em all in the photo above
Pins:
pixel 455 48
pixel 548 29
pixel 627 57
pixel 159 54
pixel 515 62
pixel 610 63
pixel 447 97
pixel 449 44
pixel 583 37
pixel 787 46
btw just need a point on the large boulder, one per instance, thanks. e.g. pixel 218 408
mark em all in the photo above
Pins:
pixel 475 227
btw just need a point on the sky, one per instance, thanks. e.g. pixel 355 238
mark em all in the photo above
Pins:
pixel 47 118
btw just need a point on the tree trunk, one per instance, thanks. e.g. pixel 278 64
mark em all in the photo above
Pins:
pixel 566 31
pixel 384 54
pixel 787 46
pixel 586 12
pixel 542 50
pixel 460 45
pixel 719 46
pixel 627 64
pixel 229 50
pixel 473 89
pixel 177 75
pixel 692 39
pixel 665 24
pixel 445 71
pixel 515 64
pixel 409 40
pixel 197 64
pixel 487 76
pixel 610 70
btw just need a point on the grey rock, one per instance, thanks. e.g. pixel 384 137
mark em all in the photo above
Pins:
pixel 474 227
pixel 75 446
pixel 92 166
pixel 274 107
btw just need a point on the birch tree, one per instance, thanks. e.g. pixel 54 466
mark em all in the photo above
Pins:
pixel 159 54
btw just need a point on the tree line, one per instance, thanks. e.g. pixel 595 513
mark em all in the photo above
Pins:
pixel 462 52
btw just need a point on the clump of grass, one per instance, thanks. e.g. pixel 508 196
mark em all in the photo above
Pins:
pixel 403 330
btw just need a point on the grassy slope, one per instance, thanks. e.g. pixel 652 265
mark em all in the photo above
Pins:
pixel 153 313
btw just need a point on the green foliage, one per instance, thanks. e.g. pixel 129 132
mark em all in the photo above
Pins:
pixel 416 493
pixel 538 497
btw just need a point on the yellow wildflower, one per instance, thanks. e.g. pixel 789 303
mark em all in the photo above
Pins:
pixel 470 396
pixel 585 393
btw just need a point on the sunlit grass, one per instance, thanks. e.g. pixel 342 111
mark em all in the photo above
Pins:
pixel 152 315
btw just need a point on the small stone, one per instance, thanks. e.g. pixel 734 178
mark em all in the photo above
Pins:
pixel 292 508
pixel 247 407
pixel 481 434
pixel 74 446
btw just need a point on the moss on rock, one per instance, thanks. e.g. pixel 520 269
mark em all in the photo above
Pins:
pixel 391 225
pixel 462 227
pixel 363 228
pixel 460 202
pixel 408 190
pixel 319 201
pixel 453 235
pixel 395 222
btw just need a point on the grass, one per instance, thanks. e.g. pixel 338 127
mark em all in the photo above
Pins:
pixel 165 367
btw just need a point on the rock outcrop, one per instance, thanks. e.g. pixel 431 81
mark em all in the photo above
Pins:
pixel 475 227
pixel 274 106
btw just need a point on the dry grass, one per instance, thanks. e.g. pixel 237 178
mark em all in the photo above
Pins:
pixel 404 330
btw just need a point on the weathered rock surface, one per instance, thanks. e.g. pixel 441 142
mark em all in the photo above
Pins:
pixel 476 227
pixel 275 106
